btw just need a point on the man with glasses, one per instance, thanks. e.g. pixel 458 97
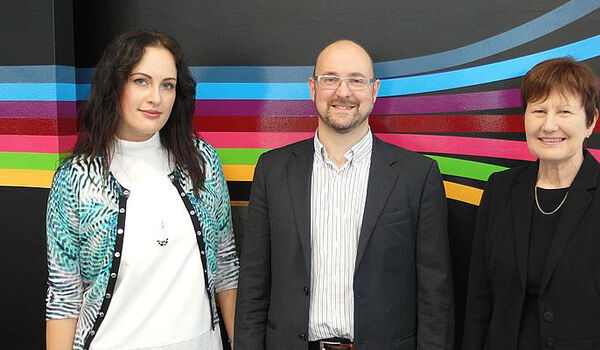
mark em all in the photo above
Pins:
pixel 345 243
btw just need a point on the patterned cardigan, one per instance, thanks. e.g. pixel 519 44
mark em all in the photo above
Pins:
pixel 85 228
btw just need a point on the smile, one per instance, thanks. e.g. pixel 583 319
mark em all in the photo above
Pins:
pixel 150 113
pixel 551 140
pixel 343 106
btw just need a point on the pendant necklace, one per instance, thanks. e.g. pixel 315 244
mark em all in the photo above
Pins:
pixel 163 235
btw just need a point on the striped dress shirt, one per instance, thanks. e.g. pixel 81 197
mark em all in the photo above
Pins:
pixel 338 198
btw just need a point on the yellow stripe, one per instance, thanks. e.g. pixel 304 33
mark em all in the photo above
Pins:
pixel 239 172
pixel 463 193
pixel 43 179
pixel 26 178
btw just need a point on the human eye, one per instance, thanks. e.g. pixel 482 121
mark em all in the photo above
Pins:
pixel 168 85
pixel 330 79
pixel 357 81
pixel 140 81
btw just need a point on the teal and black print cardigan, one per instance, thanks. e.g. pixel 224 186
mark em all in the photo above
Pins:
pixel 85 228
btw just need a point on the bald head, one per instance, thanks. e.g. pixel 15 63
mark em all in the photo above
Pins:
pixel 344 55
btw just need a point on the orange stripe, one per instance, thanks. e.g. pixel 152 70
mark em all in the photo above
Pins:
pixel 26 178
pixel 463 193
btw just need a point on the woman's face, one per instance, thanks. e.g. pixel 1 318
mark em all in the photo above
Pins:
pixel 148 95
pixel 555 128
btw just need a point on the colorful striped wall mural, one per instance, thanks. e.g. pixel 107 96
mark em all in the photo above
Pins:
pixel 426 104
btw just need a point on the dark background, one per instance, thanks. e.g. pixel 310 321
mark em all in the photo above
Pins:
pixel 214 33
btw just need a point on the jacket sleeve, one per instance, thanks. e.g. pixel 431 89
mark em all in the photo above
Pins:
pixel 255 275
pixel 435 302
pixel 479 296
pixel 227 259
pixel 65 288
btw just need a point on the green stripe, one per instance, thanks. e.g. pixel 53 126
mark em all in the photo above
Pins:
pixel 30 161
pixel 240 156
pixel 448 166
pixel 246 156
pixel 465 168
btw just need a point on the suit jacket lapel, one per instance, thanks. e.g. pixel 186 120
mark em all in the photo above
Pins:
pixel 522 205
pixel 382 177
pixel 299 173
pixel 573 210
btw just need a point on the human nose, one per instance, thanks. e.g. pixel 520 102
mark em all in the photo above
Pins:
pixel 550 122
pixel 154 95
pixel 343 89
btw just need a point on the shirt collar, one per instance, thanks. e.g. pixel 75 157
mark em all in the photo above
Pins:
pixel 356 153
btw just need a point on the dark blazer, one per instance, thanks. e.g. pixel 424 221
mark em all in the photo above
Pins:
pixel 569 301
pixel 402 283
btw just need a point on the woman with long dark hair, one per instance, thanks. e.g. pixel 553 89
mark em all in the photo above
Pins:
pixel 140 241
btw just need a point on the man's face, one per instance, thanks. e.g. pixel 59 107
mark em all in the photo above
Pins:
pixel 344 109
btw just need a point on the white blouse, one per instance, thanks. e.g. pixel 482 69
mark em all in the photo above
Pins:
pixel 160 300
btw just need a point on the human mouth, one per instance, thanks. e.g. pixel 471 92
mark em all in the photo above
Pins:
pixel 551 140
pixel 343 106
pixel 151 113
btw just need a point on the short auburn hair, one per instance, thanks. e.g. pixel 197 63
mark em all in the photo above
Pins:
pixel 566 76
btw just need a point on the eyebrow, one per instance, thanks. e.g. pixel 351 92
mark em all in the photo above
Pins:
pixel 149 76
pixel 354 74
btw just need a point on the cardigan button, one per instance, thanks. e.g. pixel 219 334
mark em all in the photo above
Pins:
pixel 548 316
pixel 302 336
pixel 306 291
pixel 550 342
pixel 120 231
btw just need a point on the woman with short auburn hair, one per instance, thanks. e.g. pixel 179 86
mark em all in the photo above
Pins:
pixel 535 266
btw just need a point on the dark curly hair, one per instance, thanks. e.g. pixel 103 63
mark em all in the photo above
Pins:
pixel 99 118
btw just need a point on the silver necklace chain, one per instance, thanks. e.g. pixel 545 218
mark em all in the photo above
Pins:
pixel 537 202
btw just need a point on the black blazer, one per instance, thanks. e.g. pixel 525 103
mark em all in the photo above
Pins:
pixel 569 302
pixel 402 285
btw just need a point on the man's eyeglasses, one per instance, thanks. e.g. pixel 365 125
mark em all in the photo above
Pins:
pixel 332 82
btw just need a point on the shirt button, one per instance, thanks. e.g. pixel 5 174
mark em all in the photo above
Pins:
pixel 548 316
pixel 306 291
pixel 302 336
pixel 549 342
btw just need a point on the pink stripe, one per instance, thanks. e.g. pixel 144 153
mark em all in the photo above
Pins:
pixel 419 143
pixel 37 143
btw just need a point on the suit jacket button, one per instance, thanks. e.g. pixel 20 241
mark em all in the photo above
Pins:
pixel 550 342
pixel 302 336
pixel 548 316
pixel 306 291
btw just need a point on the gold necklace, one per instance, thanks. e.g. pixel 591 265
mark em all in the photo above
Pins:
pixel 537 202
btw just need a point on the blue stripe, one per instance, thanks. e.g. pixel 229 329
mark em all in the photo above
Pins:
pixel 37 74
pixel 539 27
pixel 37 92
pixel 581 50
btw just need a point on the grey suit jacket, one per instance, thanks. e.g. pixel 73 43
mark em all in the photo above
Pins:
pixel 402 282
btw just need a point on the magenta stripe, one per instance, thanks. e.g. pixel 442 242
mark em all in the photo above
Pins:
pixel 37 109
pixel 474 101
